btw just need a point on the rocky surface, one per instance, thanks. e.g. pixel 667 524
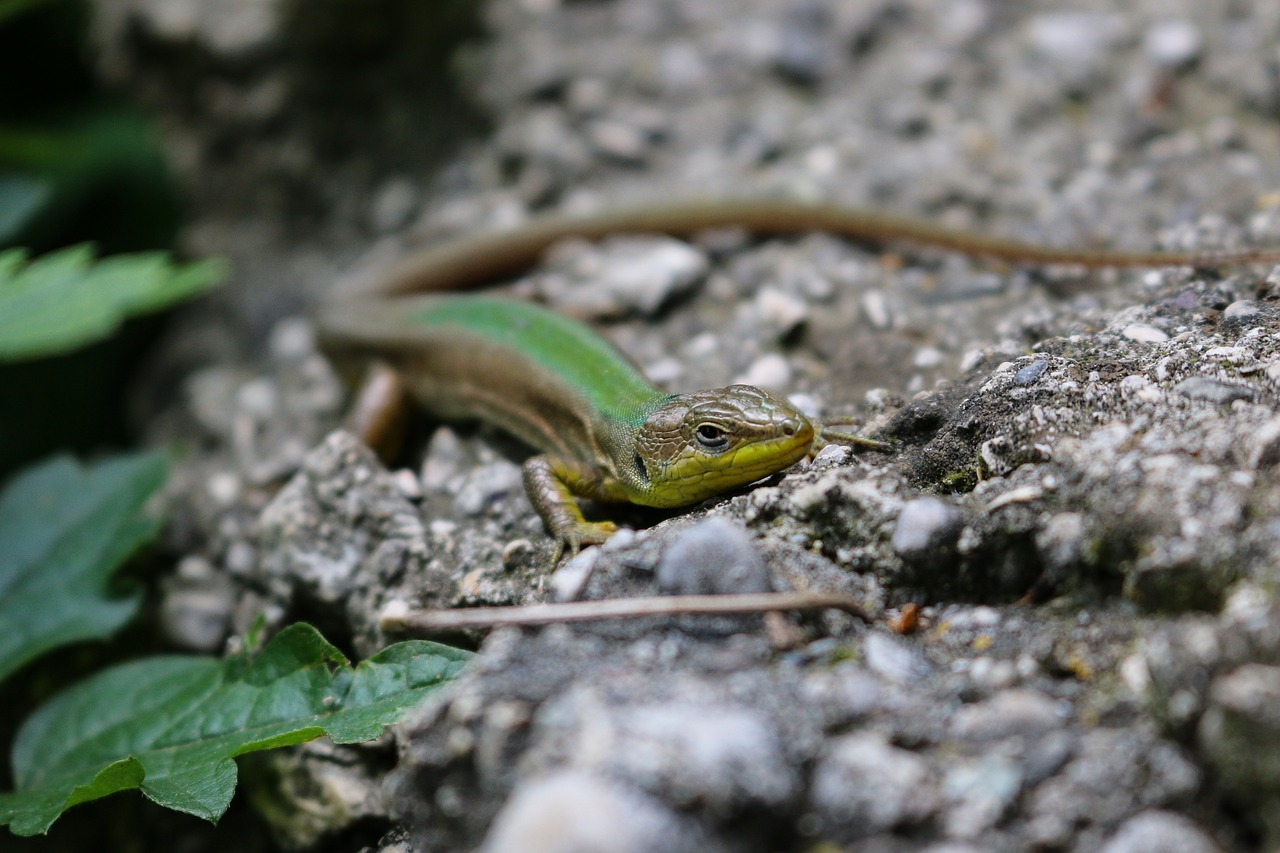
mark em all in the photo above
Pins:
pixel 1082 495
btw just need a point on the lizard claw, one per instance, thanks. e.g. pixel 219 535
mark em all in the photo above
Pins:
pixel 573 537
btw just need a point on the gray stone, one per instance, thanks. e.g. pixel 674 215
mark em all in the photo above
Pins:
pixel 1240 730
pixel 716 556
pixel 1061 540
pixel 393 205
pixel 844 694
pixel 1264 445
pixel 568 812
pixel 893 659
pixel 1030 374
pixel 1173 43
pixel 1077 41
pixel 1213 391
pixel 326 787
pixel 1243 311
pixel 807 52
pixel 1113 774
pixel 1010 713
pixel 977 794
pixel 863 786
pixel 924 526
pixel 621 276
pixel 771 371
pixel 196 609
pixel 339 533
pixel 1163 831
pixel 724 759
pixel 487 484
pixel 780 311
pixel 619 140
pixel 1144 334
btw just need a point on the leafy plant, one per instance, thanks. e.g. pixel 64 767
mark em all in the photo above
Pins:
pixel 171 726
pixel 65 299
pixel 64 529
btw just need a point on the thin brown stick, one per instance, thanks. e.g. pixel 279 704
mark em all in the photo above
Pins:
pixel 435 621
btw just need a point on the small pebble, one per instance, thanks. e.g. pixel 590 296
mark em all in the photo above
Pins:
pixel 893 660
pixel 1228 355
pixel 833 454
pixel 1173 43
pixel 807 54
pixel 875 309
pixel 224 488
pixel 978 793
pixel 195 611
pixel 567 811
pixel 863 786
pixel 1243 311
pixel 1079 38
pixel 393 205
pixel 770 371
pixel 292 340
pixel 1157 830
pixel 925 525
pixel 1265 445
pixel 1010 713
pixel 1212 391
pixel 1029 375
pixel 407 483
pixel 444 461
pixel 259 398
pixel 927 357
pixel 619 141
pixel 722 756
pixel 1061 540
pixel 780 311
pixel 487 484
pixel 1240 731
pixel 844 693
pixel 621 276
pixel 1144 334
pixel 568 581
pixel 665 371
pixel 701 346
pixel 713 557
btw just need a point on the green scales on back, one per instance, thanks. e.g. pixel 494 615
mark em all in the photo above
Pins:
pixel 611 385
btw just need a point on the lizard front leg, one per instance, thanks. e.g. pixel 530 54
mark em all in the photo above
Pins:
pixel 552 484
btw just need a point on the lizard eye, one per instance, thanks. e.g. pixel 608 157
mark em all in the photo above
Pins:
pixel 711 436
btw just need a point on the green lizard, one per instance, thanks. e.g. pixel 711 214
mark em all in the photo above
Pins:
pixel 604 432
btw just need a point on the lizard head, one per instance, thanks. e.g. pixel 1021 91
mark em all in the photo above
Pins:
pixel 698 445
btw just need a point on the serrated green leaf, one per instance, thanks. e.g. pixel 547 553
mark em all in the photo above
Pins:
pixel 66 299
pixel 64 529
pixel 172 725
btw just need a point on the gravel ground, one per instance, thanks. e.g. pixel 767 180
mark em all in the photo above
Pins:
pixel 1081 504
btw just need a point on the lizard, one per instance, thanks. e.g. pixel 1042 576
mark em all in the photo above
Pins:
pixel 602 430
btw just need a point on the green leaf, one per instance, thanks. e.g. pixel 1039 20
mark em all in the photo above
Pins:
pixel 64 529
pixel 172 725
pixel 66 299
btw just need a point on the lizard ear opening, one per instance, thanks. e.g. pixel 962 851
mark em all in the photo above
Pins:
pixel 641 469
